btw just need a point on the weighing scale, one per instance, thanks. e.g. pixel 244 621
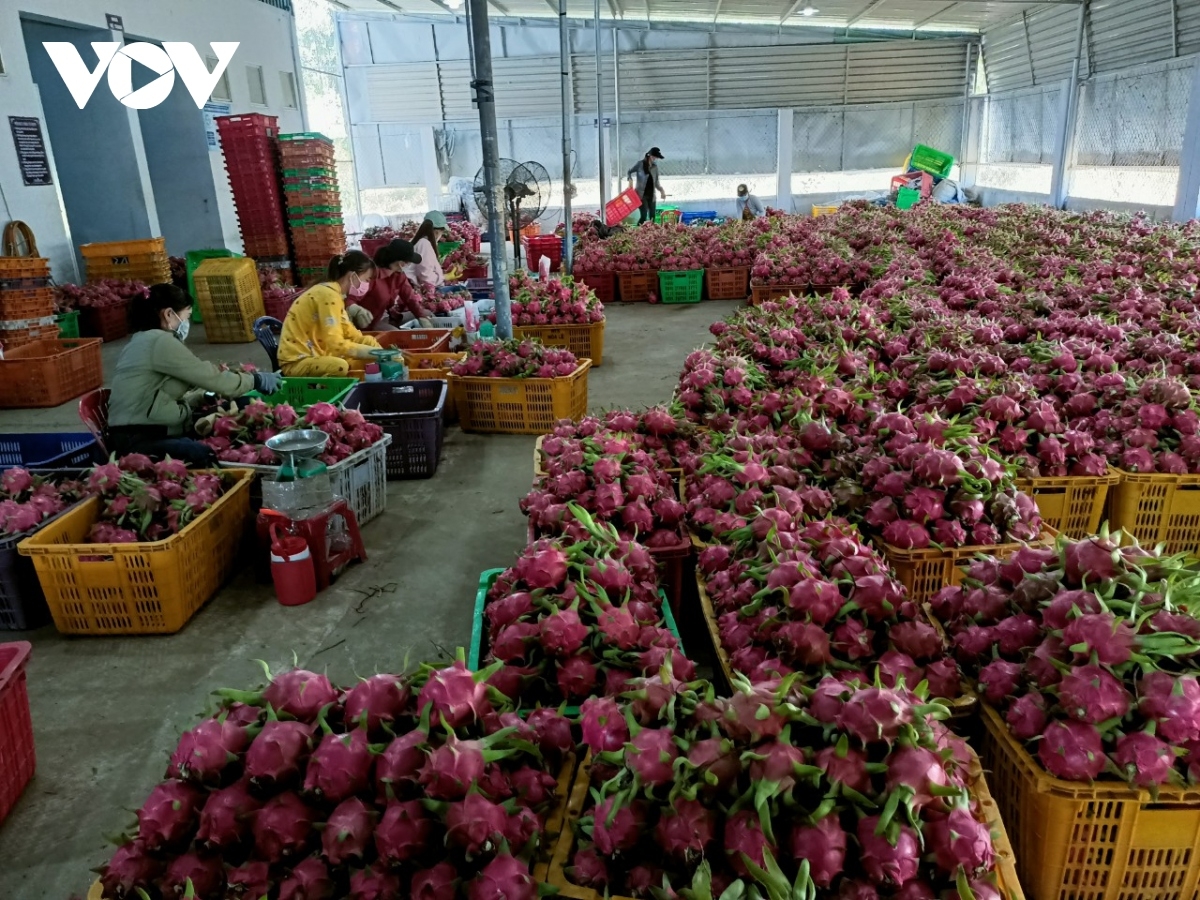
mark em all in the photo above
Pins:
pixel 391 363
pixel 299 451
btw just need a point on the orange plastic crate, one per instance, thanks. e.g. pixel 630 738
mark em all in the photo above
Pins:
pixel 1158 509
pixel 49 373
pixel 33 303
pixel 582 340
pixel 1074 505
pixel 13 268
pixel 636 287
pixel 520 405
pixel 761 293
pixel 728 284
pixel 418 340
pixel 1100 841
pixel 146 588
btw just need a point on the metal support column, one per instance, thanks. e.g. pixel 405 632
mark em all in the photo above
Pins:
pixel 617 101
pixel 485 96
pixel 1187 194
pixel 962 143
pixel 783 163
pixel 1066 128
pixel 601 167
pixel 568 121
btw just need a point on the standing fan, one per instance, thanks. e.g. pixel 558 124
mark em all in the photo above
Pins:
pixel 526 194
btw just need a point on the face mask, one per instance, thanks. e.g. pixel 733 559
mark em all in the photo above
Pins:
pixel 360 289
pixel 182 329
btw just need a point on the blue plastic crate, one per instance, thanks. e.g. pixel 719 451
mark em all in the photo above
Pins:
pixel 74 450
pixel 705 216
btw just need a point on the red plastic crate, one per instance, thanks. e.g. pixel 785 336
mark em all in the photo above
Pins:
pixel 603 284
pixel 619 208
pixel 17 760
pixel 250 124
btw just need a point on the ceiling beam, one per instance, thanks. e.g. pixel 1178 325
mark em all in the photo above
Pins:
pixel 553 6
pixel 500 9
pixel 867 10
pixel 717 11
pixel 614 7
pixel 937 15
pixel 791 10
pixel 394 7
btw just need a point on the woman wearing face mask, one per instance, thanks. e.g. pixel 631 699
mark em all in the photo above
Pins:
pixel 429 270
pixel 318 337
pixel 157 377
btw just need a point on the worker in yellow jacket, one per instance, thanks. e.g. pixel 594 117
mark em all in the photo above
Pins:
pixel 318 339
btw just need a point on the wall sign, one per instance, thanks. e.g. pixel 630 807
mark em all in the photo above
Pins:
pixel 211 111
pixel 31 150
pixel 115 23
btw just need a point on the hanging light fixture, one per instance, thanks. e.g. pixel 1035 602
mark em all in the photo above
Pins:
pixel 809 11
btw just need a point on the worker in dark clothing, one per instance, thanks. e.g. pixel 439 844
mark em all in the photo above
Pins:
pixel 645 174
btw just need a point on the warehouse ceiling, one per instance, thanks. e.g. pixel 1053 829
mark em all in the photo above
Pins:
pixel 906 15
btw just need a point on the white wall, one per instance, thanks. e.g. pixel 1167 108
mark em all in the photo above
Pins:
pixel 267 39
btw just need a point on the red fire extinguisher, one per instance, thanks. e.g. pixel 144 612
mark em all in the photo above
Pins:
pixel 292 568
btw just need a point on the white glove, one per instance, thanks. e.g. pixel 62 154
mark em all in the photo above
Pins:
pixel 360 317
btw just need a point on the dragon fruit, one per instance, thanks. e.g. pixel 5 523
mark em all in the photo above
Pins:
pixel 130 869
pixel 552 731
pixel 745 840
pixel 875 714
pixel 375 883
pixel 454 697
pixel 283 828
pixel 475 822
pixel 276 755
pixel 917 775
pixel 403 832
pixel 617 827
pixel 999 679
pixel 651 755
pixel 1173 702
pixel 340 766
pixel 1109 639
pixel 399 766
pixel 1094 559
pixel 347 832
pixel 438 883
pixel 1027 716
pixel 687 830
pixel 169 816
pixel 377 701
pixel 917 639
pixel 844 765
pixel 542 565
pixel 604 727
pixel 888 863
pixel 823 845
pixel 309 880
pixel 227 817
pixel 589 869
pixel 251 881
pixel 203 875
pixel 562 633
pixel 452 768
pixel 1072 750
pixel 299 693
pixel 504 878
pixel 959 840
pixel 1144 760
pixel 1093 695
pixel 206 752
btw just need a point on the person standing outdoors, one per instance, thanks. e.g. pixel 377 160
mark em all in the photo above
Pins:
pixel 749 206
pixel 645 173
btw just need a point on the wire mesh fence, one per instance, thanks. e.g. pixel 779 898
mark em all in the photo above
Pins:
pixel 872 136
pixel 1018 139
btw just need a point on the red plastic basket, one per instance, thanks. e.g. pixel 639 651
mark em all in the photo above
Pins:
pixel 619 208
pixel 16 728
pixel 604 284
pixel 109 323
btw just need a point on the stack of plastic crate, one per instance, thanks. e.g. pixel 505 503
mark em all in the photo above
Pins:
pixel 26 301
pixel 252 161
pixel 314 203
pixel 142 260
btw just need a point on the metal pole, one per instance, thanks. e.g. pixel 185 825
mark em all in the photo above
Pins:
pixel 486 98
pixel 617 98
pixel 1062 154
pixel 962 144
pixel 568 121
pixel 600 166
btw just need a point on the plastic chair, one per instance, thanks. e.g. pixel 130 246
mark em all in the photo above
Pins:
pixel 267 330
pixel 93 410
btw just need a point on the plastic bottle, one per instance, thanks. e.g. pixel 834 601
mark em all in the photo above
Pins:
pixel 372 372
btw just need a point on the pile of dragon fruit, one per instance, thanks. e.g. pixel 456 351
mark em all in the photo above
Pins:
pixel 439 303
pixel 142 500
pixel 104 294
pixel 27 500
pixel 559 301
pixel 424 786
pixel 577 617
pixel 845 789
pixel 1088 650
pixel 516 359
pixel 239 435
pixel 659 431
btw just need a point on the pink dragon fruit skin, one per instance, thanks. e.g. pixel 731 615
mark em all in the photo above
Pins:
pixel 309 880
pixel 399 766
pixel 452 768
pixel 474 822
pixel 687 830
pixel 614 832
pixel 875 714
pixel 1093 695
pixel 403 833
pixel 169 816
pixel 916 772
pixel 532 787
pixel 347 832
pixel 504 878
pixel 917 889
pixel 589 869
pixel 744 838
pixel 340 766
pixel 1091 558
pixel 374 884
pixel 603 724
pixel 854 889
pixel 1144 759
pixel 205 752
pixel 652 755
pixel 1173 702
pixel 227 817
pixel 283 828
pixel 1102 634
pixel 454 697
pixel 1026 716
pixel 849 769
pixel 275 756
pixel 130 868
pixel 917 639
pixel 300 693
pixel 823 845
pixel 552 730
pixel 1072 750
pixel 945 681
pixel 205 873
pixel 381 698
pixel 251 881
pixel 885 863
pixel 438 883
pixel 999 679
pixel 960 840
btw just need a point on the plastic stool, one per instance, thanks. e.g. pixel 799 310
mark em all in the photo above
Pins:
pixel 316 532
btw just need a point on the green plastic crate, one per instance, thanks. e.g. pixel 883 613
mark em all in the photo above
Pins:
pixel 681 287
pixel 935 162
pixel 488 577
pixel 314 172
pixel 445 248
pixel 907 198
pixel 301 393
pixel 306 136
pixel 659 210
pixel 68 324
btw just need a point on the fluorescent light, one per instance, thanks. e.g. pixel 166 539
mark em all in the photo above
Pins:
pixel 454 4
pixel 809 11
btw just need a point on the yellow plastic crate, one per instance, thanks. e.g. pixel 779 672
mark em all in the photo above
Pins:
pixel 520 405
pixel 585 341
pixel 823 210
pixel 1100 841
pixel 230 298
pixel 1074 505
pixel 145 588
pixel 1158 509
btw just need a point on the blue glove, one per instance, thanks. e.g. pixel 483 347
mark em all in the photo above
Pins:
pixel 266 382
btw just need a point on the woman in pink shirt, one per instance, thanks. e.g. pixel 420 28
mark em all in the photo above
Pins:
pixel 390 287
pixel 429 269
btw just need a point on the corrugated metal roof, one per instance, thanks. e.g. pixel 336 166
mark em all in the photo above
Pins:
pixel 1124 33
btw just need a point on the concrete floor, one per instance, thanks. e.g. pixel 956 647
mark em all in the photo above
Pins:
pixel 107 712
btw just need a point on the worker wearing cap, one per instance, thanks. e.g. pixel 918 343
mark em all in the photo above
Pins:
pixel 391 289
pixel 429 270
pixel 749 206
pixel 645 173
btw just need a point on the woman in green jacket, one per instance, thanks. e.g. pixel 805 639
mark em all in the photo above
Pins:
pixel 149 410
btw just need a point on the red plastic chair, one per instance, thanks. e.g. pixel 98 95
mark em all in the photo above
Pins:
pixel 93 410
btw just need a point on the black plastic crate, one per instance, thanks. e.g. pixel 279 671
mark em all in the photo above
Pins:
pixel 411 412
